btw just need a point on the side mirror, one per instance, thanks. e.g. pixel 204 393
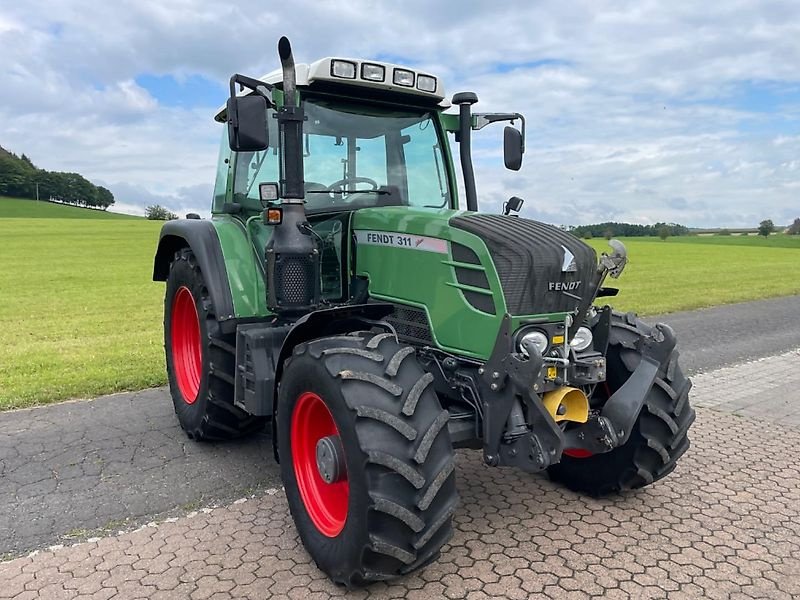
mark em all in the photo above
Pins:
pixel 514 204
pixel 512 148
pixel 247 123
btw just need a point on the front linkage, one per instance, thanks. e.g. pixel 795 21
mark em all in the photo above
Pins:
pixel 509 380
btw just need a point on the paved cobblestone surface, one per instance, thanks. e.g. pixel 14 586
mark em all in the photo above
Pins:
pixel 726 524
pixel 776 381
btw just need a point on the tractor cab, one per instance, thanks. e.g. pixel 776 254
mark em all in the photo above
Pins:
pixel 373 136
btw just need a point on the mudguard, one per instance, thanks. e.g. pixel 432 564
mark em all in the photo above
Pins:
pixel 201 237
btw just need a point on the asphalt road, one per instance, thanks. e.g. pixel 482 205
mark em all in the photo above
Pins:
pixel 714 337
pixel 77 469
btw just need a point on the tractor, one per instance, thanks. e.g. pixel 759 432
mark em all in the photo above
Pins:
pixel 343 298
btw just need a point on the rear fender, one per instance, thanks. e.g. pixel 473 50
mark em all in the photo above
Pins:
pixel 201 237
pixel 331 321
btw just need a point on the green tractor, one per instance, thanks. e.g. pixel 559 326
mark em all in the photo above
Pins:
pixel 341 296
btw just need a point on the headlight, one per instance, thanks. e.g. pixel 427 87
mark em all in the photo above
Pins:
pixel 582 339
pixel 537 338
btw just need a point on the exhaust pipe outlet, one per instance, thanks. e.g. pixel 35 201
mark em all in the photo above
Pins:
pixel 289 76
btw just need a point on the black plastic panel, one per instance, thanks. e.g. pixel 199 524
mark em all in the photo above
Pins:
pixel 529 257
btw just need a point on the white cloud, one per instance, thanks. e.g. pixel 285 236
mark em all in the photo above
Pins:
pixel 637 110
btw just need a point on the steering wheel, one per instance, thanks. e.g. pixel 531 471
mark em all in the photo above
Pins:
pixel 338 187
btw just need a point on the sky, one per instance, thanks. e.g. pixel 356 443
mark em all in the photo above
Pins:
pixel 639 111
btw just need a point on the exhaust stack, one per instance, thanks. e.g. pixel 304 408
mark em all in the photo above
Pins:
pixel 290 121
pixel 292 254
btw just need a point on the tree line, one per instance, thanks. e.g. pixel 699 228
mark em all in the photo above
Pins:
pixel 20 178
pixel 611 229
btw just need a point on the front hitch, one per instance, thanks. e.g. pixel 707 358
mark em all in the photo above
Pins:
pixel 509 382
pixel 613 426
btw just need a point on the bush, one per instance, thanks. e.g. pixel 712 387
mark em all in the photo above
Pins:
pixel 159 213
pixel 724 232
pixel 794 228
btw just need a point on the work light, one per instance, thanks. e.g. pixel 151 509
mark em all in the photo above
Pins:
pixel 372 72
pixel 343 69
pixel 404 77
pixel 426 83
pixel 268 192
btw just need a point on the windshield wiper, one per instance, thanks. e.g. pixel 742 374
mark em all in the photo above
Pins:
pixel 379 192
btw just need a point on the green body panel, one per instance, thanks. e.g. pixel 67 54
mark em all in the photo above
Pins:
pixel 245 275
pixel 427 279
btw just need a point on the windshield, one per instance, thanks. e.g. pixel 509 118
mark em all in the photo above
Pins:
pixel 356 158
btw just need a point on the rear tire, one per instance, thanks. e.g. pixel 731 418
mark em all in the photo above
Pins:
pixel 396 512
pixel 200 358
pixel 659 437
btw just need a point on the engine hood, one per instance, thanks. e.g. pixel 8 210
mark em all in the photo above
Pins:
pixel 542 269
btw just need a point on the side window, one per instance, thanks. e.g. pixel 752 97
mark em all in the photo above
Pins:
pixel 252 168
pixel 427 185
pixel 223 170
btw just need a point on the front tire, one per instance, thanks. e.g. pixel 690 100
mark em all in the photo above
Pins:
pixel 390 510
pixel 659 437
pixel 200 358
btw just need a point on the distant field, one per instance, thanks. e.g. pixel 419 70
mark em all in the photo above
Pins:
pixel 19 208
pixel 685 273
pixel 80 316
pixel 777 240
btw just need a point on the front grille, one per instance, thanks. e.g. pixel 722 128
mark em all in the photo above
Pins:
pixel 411 324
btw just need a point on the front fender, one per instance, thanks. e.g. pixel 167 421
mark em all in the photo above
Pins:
pixel 201 237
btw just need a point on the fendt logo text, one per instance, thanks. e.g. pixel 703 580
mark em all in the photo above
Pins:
pixel 563 286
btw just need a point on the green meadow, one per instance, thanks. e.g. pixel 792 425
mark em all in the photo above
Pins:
pixel 80 315
pixel 20 208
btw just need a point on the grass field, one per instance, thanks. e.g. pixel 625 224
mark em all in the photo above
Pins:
pixel 80 316
pixel 20 208
pixel 692 272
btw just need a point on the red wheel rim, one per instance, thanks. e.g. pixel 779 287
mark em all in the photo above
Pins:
pixel 187 355
pixel 326 503
pixel 577 453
